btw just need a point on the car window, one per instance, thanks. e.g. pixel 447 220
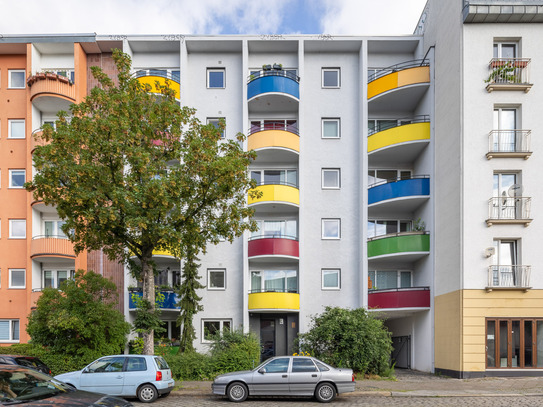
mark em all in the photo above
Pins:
pixel 136 365
pixel 303 365
pixel 114 364
pixel 161 363
pixel 322 367
pixel 277 366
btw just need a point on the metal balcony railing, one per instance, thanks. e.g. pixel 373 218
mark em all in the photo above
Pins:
pixel 509 71
pixel 506 207
pixel 292 128
pixel 274 290
pixel 397 179
pixel 509 141
pixel 398 67
pixel 277 235
pixel 273 72
pixel 289 184
pixel 422 118
pixel 509 276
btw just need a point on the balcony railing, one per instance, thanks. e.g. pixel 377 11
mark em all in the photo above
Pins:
pixel 398 67
pixel 509 143
pixel 168 303
pixel 392 298
pixel 291 128
pixel 509 210
pixel 422 118
pixel 274 245
pixel 509 74
pixel 508 277
pixel 51 246
pixel 273 72
pixel 274 300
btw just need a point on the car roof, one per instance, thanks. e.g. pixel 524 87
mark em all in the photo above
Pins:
pixel 12 367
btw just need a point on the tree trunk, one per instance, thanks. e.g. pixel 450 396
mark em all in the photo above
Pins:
pixel 148 278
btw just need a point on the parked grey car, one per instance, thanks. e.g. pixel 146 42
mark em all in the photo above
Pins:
pixel 286 376
pixel 142 376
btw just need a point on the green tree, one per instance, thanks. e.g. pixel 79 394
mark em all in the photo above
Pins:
pixel 350 338
pixel 79 318
pixel 133 172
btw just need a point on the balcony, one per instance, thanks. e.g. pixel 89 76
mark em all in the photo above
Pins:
pixel 52 92
pixel 509 210
pixel 273 91
pixel 509 277
pixel 277 193
pixel 509 144
pixel 399 87
pixel 170 299
pixel 276 246
pixel 398 194
pixel 508 74
pixel 51 247
pixel 274 301
pixel 36 140
pixel 406 246
pixel 152 76
pixel 400 145
pixel 274 142
pixel 491 11
pixel 397 298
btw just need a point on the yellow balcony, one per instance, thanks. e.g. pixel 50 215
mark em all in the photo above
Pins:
pixel 399 79
pixel 145 78
pixel 274 139
pixel 163 253
pixel 408 133
pixel 274 301
pixel 277 193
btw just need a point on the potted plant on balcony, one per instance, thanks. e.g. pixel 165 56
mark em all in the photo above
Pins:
pixel 277 67
pixel 51 75
pixel 40 75
pixel 31 79
pixel 266 67
pixel 63 79
pixel 502 73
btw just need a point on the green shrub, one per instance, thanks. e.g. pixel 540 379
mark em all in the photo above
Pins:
pixel 190 366
pixel 349 338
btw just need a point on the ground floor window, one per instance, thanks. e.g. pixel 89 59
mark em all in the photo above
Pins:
pixel 514 343
pixel 9 330
pixel 53 278
pixel 211 327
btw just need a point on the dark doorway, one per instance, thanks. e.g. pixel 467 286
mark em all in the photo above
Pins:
pixel 401 354
pixel 267 338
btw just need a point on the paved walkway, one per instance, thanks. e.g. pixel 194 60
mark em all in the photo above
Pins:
pixel 416 384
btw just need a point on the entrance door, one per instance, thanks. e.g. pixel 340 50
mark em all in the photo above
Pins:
pixel 401 354
pixel 267 338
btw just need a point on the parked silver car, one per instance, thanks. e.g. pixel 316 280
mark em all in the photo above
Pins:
pixel 142 376
pixel 286 376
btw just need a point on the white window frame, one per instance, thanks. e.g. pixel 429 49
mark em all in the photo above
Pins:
pixel 11 331
pixel 10 82
pixel 14 121
pixel 338 77
pixel 210 70
pixel 398 272
pixel 331 119
pixel 337 171
pixel 11 223
pixel 215 122
pixel 330 270
pixel 221 322
pixel 12 173
pixel 499 44
pixel 216 270
pixel 54 276
pixel 330 220
pixel 11 279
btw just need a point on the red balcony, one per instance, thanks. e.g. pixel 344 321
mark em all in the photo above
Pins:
pixel 273 246
pixel 394 298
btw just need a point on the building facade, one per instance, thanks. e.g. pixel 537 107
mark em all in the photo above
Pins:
pixel 396 173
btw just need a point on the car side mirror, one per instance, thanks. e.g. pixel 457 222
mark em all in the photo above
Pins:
pixel 86 370
pixel 262 370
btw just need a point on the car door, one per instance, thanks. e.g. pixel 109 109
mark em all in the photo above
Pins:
pixel 136 372
pixel 104 375
pixel 303 377
pixel 272 378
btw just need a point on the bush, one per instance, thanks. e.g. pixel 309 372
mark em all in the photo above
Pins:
pixel 190 366
pixel 349 338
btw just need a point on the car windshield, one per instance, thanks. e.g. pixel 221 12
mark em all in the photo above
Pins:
pixel 34 363
pixel 20 386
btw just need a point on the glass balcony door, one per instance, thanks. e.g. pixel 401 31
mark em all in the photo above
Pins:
pixel 505 139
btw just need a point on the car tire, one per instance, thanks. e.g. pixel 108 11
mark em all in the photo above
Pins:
pixel 325 392
pixel 147 393
pixel 237 392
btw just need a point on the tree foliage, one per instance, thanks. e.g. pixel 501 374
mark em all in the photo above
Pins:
pixel 349 338
pixel 131 172
pixel 79 319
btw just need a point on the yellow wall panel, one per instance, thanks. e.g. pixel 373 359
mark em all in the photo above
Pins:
pixel 383 84
pixel 277 193
pixel 273 138
pixel 448 331
pixel 398 135
pixel 271 301
pixel 414 75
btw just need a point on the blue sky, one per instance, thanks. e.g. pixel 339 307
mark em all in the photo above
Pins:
pixel 210 17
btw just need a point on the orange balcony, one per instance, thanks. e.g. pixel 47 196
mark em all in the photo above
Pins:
pixel 52 85
pixel 51 246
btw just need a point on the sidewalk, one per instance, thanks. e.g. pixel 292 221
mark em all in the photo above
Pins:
pixel 412 383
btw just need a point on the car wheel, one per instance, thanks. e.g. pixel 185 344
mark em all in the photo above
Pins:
pixel 325 392
pixel 237 392
pixel 147 393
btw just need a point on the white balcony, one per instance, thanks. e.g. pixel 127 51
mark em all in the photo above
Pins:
pixel 509 277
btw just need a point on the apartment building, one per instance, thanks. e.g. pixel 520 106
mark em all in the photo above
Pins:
pixel 397 174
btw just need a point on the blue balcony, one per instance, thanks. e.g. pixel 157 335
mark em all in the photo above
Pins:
pixel 170 299
pixel 274 81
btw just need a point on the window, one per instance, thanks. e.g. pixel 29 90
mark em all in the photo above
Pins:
pixel 386 227
pixel 505 134
pixel 377 125
pixel 53 228
pixel 16 129
pixel 384 176
pixel 506 191
pixel 277 366
pixel 211 327
pixel 300 365
pixel 331 279
pixel 331 228
pixel 216 279
pixel 16 79
pixel 9 330
pixel 107 364
pixel 506 50
pixel 17 278
pixel 276 177
pixel 385 279
pixel 216 78
pixel 506 268
pixel 134 364
pixel 331 178
pixel 17 178
pixel 281 281
pixel 284 229
pixel 330 78
pixel 215 121
pixel 17 228
pixel 330 128
pixel 54 278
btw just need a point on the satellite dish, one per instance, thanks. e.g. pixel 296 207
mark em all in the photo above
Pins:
pixel 515 190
